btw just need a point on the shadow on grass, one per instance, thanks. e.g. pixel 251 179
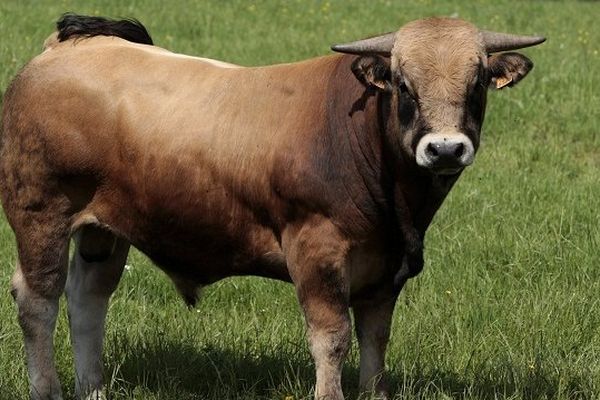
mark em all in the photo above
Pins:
pixel 177 370
pixel 182 371
pixel 486 385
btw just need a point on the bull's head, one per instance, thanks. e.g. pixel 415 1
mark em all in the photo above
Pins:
pixel 436 72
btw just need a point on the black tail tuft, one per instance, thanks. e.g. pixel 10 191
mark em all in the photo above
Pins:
pixel 70 25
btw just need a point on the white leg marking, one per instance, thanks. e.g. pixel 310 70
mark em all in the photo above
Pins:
pixel 89 286
pixel 329 349
pixel 373 324
pixel 37 317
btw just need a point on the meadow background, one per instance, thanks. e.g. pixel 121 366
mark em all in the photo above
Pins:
pixel 508 304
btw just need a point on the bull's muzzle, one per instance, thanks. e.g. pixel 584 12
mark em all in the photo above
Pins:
pixel 445 153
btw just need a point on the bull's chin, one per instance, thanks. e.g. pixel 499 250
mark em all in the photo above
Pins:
pixel 447 171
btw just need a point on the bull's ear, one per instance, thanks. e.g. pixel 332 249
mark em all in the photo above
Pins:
pixel 373 72
pixel 507 69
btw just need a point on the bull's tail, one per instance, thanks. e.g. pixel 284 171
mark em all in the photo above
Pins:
pixel 72 25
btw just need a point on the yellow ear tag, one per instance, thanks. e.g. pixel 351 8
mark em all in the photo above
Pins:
pixel 502 82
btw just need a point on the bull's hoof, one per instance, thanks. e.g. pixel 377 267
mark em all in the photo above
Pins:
pixel 50 396
pixel 96 394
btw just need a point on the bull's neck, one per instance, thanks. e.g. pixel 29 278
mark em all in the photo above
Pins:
pixel 422 191
pixel 366 119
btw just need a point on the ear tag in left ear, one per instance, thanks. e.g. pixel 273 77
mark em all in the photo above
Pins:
pixel 381 85
pixel 375 80
pixel 503 82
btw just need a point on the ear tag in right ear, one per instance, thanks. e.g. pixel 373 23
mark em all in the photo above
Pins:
pixel 503 82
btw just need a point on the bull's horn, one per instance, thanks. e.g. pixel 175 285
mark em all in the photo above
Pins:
pixel 495 41
pixel 381 45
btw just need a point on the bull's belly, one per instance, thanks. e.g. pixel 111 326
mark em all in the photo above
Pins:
pixel 197 264
pixel 201 242
pixel 204 256
pixel 195 259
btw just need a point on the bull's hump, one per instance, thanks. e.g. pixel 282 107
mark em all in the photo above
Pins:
pixel 109 44
pixel 170 55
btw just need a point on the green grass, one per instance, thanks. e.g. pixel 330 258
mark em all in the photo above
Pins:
pixel 508 304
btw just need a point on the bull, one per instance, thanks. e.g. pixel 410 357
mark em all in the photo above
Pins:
pixel 325 173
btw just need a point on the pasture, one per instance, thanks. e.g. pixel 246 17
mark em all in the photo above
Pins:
pixel 508 304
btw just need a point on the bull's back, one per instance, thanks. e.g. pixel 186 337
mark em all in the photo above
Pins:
pixel 117 95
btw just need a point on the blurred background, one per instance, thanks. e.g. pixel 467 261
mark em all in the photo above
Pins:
pixel 507 306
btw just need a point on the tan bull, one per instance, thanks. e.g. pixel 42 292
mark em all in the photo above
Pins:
pixel 325 173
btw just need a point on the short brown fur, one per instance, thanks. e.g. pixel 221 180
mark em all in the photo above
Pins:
pixel 298 172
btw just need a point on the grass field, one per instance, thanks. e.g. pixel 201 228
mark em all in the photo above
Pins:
pixel 508 304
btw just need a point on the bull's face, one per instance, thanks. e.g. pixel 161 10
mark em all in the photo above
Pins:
pixel 436 73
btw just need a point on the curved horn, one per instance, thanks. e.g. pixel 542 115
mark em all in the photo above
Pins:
pixel 495 42
pixel 381 44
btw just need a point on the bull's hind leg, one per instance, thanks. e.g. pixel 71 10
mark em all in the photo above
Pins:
pixel 37 284
pixel 95 271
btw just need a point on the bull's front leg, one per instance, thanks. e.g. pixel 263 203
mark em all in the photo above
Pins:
pixel 372 321
pixel 329 335
pixel 316 254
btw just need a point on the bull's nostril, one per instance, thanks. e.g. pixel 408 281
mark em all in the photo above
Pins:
pixel 431 150
pixel 459 151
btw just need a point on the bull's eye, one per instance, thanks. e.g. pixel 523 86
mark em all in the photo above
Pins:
pixel 478 83
pixel 405 91
pixel 407 107
pixel 485 79
pixel 481 79
pixel 403 88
